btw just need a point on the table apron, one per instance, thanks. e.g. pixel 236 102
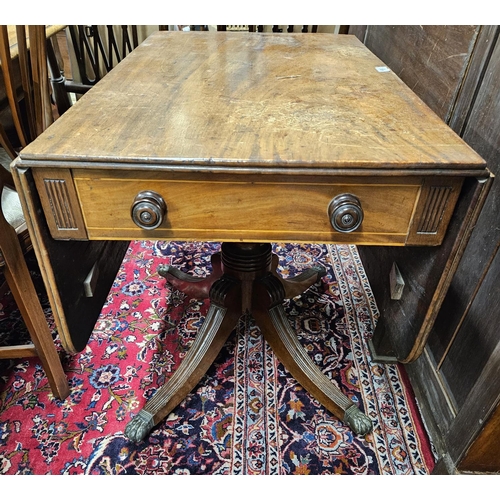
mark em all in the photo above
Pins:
pixel 83 204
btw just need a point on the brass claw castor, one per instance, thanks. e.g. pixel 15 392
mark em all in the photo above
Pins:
pixel 139 427
pixel 357 420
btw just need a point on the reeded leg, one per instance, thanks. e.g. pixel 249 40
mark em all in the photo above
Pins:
pixel 249 283
pixel 222 316
pixel 190 285
pixel 271 318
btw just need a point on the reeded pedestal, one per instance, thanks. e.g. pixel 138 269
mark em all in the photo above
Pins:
pixel 244 280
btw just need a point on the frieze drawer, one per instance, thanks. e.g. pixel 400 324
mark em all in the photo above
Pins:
pixel 407 210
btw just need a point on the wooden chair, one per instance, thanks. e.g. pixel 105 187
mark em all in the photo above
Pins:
pixel 30 100
pixel 25 72
pixel 28 91
pixel 13 245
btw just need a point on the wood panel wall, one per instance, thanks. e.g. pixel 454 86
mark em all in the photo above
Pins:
pixel 456 71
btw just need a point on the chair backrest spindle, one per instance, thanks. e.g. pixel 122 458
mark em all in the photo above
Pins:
pixel 10 88
pixel 30 100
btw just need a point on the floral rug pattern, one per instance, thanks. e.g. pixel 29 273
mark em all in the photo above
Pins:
pixel 247 415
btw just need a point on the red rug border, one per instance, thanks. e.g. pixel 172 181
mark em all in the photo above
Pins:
pixel 420 428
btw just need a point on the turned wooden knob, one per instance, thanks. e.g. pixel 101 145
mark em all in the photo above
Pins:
pixel 345 213
pixel 148 210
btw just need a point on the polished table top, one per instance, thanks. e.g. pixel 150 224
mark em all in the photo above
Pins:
pixel 254 100
pixel 288 122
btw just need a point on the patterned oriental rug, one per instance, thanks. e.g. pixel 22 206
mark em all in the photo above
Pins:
pixel 247 415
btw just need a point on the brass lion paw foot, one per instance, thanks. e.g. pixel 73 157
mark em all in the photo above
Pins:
pixel 357 420
pixel 138 428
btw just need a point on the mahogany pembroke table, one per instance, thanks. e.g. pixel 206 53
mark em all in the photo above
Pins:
pixel 245 139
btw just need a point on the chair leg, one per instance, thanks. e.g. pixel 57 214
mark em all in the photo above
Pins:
pixel 27 300
pixel 19 280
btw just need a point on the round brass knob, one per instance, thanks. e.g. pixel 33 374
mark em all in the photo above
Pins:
pixel 148 210
pixel 345 213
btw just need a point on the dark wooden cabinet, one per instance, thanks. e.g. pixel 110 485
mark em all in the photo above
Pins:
pixel 456 71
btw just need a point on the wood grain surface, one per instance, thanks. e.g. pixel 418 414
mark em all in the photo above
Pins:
pixel 246 209
pixel 264 99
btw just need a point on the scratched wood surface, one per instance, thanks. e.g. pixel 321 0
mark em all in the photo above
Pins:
pixel 253 99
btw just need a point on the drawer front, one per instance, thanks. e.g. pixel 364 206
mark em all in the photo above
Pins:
pixel 251 210
pixel 396 211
